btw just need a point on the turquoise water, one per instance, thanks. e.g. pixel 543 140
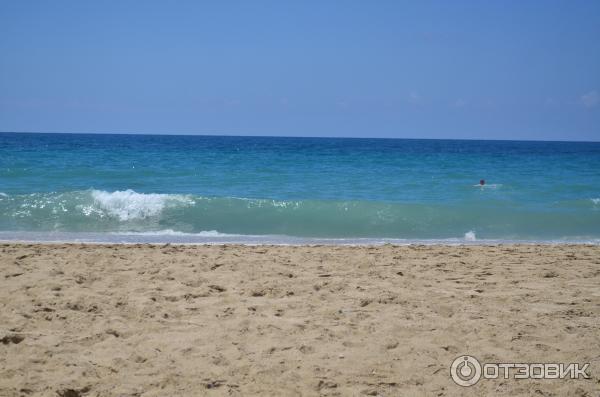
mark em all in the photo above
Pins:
pixel 202 188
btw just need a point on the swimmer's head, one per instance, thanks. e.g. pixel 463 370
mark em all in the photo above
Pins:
pixel 482 182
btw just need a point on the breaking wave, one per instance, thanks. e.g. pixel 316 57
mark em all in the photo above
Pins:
pixel 128 204
pixel 470 236
pixel 128 211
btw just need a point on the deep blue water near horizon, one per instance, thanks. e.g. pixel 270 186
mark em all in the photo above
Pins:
pixel 202 188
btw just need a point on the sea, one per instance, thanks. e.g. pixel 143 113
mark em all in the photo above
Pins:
pixel 282 190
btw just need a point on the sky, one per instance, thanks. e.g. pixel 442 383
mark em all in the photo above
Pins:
pixel 419 69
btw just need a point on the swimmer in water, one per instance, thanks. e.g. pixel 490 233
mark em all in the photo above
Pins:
pixel 481 182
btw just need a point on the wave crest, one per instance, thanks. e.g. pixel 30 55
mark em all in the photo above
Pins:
pixel 128 204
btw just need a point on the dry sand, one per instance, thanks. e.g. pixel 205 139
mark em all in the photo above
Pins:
pixel 143 320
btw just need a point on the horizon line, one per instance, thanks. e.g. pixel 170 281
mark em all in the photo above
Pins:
pixel 291 136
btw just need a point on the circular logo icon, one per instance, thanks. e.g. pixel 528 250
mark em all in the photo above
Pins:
pixel 465 371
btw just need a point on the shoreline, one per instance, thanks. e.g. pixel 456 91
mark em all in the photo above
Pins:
pixel 241 320
pixel 214 238
pixel 307 245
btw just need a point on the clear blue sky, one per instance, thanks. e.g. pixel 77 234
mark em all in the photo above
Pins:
pixel 447 69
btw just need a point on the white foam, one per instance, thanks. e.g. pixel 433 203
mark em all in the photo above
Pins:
pixel 171 232
pixel 470 236
pixel 3 194
pixel 127 204
pixel 489 186
pixel 596 201
pixel 213 233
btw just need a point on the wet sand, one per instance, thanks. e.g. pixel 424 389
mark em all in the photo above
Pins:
pixel 173 320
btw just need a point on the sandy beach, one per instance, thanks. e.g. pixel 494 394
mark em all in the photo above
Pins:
pixel 174 320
